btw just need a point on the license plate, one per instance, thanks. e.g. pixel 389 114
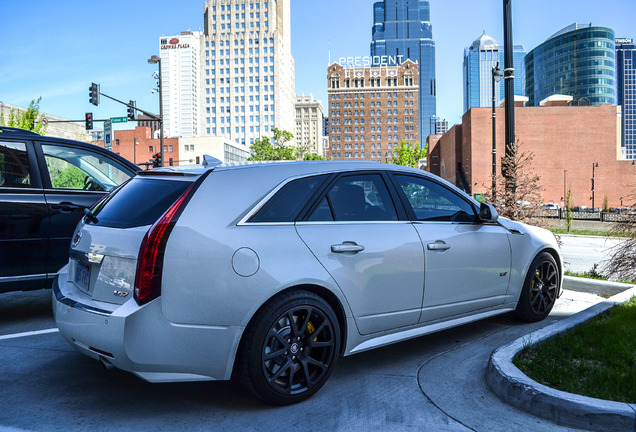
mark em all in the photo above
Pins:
pixel 82 275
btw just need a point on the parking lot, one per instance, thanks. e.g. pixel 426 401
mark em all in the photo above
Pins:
pixel 430 383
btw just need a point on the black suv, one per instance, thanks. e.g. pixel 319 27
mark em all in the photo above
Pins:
pixel 45 185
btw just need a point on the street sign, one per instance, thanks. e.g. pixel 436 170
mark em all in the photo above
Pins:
pixel 119 119
pixel 108 135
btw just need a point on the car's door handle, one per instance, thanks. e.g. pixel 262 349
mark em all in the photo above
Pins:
pixel 347 247
pixel 65 206
pixel 438 245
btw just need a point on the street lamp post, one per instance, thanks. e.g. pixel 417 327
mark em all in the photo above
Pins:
pixel 594 165
pixel 496 76
pixel 157 60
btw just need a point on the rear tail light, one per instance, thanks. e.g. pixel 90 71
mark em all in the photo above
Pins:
pixel 151 252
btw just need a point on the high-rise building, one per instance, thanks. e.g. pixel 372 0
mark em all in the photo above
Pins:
pixel 371 109
pixel 626 94
pixel 180 80
pixel 577 61
pixel 441 126
pixel 479 60
pixel 247 70
pixel 309 124
pixel 402 29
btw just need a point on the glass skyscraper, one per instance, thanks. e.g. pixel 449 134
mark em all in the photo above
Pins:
pixel 626 93
pixel 577 61
pixel 402 29
pixel 479 59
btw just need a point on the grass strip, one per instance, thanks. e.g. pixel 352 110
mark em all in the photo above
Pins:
pixel 587 232
pixel 596 359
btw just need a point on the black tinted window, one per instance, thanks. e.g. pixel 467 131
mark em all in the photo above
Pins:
pixel 431 201
pixel 140 202
pixel 356 198
pixel 14 165
pixel 285 205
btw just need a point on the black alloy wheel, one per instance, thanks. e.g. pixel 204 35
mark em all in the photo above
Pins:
pixel 540 289
pixel 290 348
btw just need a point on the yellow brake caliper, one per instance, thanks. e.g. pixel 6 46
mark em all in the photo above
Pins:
pixel 311 329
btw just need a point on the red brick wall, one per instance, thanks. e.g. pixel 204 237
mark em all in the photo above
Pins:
pixel 562 139
pixel 123 144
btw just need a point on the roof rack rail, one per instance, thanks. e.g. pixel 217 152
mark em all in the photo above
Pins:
pixel 6 129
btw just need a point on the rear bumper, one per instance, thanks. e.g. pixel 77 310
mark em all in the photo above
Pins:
pixel 139 340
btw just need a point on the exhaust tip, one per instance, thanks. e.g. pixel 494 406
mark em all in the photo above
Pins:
pixel 107 365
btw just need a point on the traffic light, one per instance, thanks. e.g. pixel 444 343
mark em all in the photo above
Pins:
pixel 89 121
pixel 93 94
pixel 156 160
pixel 131 110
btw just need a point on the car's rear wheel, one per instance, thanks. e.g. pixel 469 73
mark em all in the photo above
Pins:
pixel 540 289
pixel 290 348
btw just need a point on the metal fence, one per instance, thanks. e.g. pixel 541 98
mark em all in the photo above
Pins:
pixel 589 215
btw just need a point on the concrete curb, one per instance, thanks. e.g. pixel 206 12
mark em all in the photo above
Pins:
pixel 600 287
pixel 568 409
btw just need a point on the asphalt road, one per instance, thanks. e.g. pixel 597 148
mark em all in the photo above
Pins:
pixel 580 253
pixel 434 382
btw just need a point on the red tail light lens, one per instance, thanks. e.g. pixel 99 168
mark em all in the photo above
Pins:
pixel 151 252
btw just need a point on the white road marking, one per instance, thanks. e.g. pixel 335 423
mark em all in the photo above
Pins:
pixel 31 333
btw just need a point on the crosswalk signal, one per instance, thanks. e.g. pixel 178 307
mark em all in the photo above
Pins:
pixel 93 94
pixel 131 110
pixel 89 121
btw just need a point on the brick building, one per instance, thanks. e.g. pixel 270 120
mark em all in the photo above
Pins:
pixel 371 109
pixel 138 146
pixel 565 141
pixel 146 146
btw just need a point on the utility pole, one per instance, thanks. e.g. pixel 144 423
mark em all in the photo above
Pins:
pixel 509 86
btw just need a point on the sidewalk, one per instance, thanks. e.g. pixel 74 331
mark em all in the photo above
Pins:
pixel 515 388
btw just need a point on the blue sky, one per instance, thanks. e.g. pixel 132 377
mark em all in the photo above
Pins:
pixel 55 49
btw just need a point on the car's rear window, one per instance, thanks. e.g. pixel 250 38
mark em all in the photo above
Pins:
pixel 140 202
pixel 285 205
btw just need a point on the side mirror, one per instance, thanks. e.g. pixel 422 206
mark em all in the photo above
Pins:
pixel 488 213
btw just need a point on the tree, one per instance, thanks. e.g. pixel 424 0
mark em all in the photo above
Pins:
pixel 521 203
pixel 409 154
pixel 314 157
pixel 606 206
pixel 569 216
pixel 621 264
pixel 31 119
pixel 264 149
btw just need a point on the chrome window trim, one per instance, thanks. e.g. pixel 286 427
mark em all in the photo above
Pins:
pixel 366 222
pixel 244 220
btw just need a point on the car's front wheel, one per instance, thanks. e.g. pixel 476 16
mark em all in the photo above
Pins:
pixel 290 348
pixel 540 289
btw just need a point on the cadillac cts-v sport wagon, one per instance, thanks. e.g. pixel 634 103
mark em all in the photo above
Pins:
pixel 270 272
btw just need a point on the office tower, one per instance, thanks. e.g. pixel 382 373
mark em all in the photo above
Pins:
pixel 181 80
pixel 309 124
pixel 371 109
pixel 577 61
pixel 479 60
pixel 247 69
pixel 626 94
pixel 402 29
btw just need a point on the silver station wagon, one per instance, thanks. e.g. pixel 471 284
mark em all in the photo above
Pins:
pixel 270 272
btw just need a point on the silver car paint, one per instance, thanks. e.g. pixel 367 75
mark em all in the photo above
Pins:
pixel 206 304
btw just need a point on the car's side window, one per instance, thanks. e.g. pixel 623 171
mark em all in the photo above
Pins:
pixel 14 165
pixel 287 203
pixel 75 168
pixel 362 197
pixel 431 201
